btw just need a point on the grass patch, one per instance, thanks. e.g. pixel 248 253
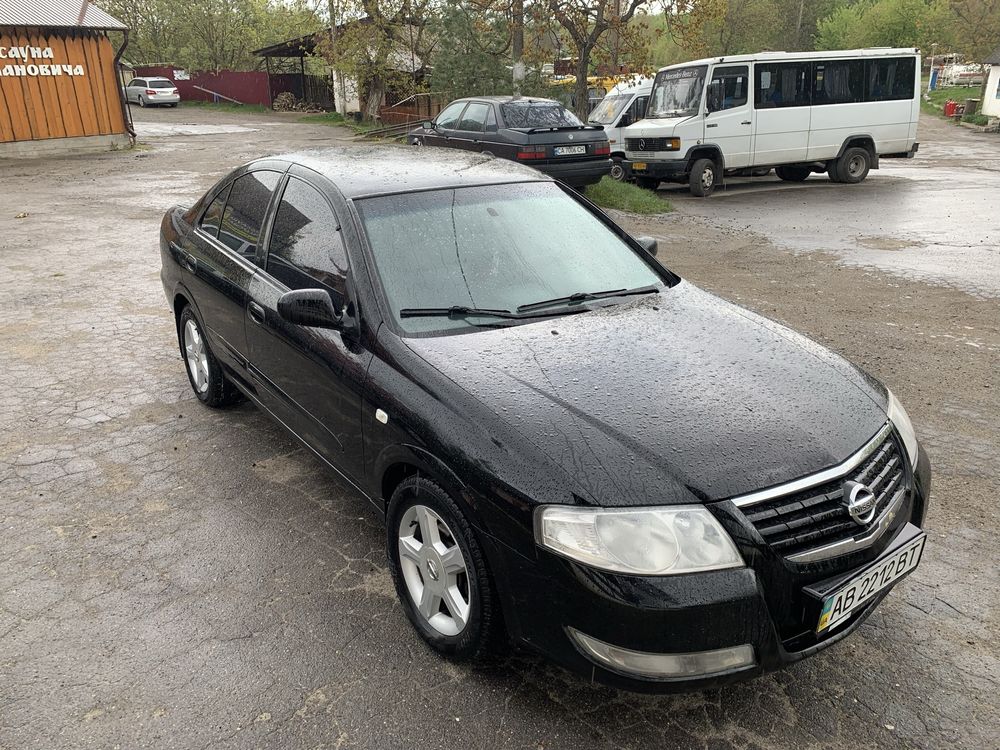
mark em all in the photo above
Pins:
pixel 624 196
pixel 934 103
pixel 226 106
pixel 976 119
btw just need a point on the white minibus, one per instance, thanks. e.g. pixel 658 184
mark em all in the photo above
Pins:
pixel 836 112
pixel 624 105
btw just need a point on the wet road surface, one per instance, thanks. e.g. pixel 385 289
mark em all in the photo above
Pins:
pixel 177 577
pixel 933 218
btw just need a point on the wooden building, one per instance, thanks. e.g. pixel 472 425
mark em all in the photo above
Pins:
pixel 59 81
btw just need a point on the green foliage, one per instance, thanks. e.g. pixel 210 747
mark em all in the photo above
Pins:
pixel 473 52
pixel 209 34
pixel 624 196
pixel 976 119
pixel 887 23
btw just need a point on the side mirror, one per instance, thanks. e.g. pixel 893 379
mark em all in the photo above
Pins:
pixel 309 307
pixel 625 120
pixel 714 96
pixel 648 244
pixel 428 125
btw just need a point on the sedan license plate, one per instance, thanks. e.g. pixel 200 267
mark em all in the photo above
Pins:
pixel 570 150
pixel 859 590
pixel 639 166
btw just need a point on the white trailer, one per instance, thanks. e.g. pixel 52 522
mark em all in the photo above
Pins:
pixel 836 112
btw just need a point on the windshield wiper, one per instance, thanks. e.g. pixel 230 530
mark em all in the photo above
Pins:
pixel 585 296
pixel 461 311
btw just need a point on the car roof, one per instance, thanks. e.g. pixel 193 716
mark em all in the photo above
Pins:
pixel 507 99
pixel 366 170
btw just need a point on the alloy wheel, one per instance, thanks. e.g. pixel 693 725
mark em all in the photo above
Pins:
pixel 434 570
pixel 196 355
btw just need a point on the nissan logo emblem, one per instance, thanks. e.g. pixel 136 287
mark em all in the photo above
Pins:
pixel 860 502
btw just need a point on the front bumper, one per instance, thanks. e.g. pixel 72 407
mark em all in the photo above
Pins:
pixel 576 173
pixel 760 606
pixel 668 169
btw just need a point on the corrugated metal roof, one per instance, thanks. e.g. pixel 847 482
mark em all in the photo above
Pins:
pixel 56 13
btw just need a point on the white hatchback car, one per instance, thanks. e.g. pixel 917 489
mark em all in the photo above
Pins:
pixel 152 91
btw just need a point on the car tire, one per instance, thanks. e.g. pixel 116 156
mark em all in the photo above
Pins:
pixel 204 372
pixel 793 174
pixel 853 165
pixel 649 183
pixel 444 586
pixel 703 177
pixel 831 170
pixel 142 100
pixel 617 172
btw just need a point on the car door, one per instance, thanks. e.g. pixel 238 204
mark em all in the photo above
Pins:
pixel 782 112
pixel 445 124
pixel 133 87
pixel 469 132
pixel 310 378
pixel 218 257
pixel 729 126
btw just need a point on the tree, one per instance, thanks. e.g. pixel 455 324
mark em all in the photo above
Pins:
pixel 473 49
pixel 977 26
pixel 587 23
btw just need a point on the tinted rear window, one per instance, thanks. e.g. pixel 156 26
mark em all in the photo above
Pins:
pixel 537 115
pixel 161 85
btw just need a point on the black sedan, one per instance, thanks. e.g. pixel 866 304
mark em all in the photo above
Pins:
pixel 572 448
pixel 541 133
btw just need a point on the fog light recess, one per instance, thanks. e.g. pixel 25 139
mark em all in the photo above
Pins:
pixel 663 666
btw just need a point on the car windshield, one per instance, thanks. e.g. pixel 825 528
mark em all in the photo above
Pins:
pixel 492 248
pixel 677 93
pixel 160 85
pixel 610 107
pixel 525 114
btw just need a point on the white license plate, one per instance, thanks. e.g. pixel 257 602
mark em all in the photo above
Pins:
pixel 570 150
pixel 859 590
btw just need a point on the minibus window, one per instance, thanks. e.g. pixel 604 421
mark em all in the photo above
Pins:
pixel 782 85
pixel 890 78
pixel 838 81
pixel 733 80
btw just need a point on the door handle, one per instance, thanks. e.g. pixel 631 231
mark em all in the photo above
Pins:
pixel 187 260
pixel 713 125
pixel 256 312
pixel 745 122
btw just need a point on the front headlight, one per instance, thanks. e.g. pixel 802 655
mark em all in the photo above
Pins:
pixel 898 416
pixel 642 541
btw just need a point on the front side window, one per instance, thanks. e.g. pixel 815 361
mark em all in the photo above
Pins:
pixel 449 116
pixel 492 247
pixel 782 85
pixel 677 93
pixel 639 108
pixel 244 215
pixel 610 107
pixel 474 117
pixel 137 82
pixel 306 247
pixel 212 218
pixel 527 114
pixel 734 81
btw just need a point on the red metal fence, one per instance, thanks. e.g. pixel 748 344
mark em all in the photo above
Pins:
pixel 245 87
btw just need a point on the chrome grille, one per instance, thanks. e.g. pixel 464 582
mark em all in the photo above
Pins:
pixel 645 144
pixel 815 517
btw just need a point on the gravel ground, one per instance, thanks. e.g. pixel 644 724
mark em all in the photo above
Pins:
pixel 172 576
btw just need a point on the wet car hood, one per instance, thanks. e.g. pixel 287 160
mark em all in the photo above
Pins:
pixel 668 398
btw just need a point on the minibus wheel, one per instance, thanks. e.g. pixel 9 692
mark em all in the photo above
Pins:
pixel 853 166
pixel 617 169
pixel 793 174
pixel 703 177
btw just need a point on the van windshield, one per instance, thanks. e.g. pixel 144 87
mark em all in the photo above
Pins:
pixel 610 107
pixel 677 92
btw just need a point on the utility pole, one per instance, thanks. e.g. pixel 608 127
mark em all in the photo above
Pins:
pixel 517 43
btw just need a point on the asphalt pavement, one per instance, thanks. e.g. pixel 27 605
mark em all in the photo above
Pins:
pixel 177 577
